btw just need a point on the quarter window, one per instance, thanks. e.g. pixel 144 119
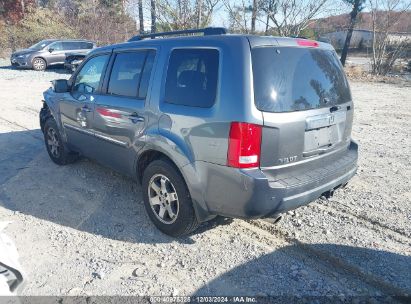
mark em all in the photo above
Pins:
pixel 192 77
pixel 88 79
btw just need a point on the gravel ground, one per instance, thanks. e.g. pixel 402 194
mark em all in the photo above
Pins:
pixel 82 229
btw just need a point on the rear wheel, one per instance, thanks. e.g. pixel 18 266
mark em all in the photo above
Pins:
pixel 56 149
pixel 39 64
pixel 167 199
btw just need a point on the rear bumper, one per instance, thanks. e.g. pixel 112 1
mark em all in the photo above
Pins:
pixel 252 194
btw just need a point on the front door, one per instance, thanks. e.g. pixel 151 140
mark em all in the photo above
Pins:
pixel 120 116
pixel 57 53
pixel 77 107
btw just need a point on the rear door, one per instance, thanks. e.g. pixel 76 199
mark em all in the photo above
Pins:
pixel 306 104
pixel 120 116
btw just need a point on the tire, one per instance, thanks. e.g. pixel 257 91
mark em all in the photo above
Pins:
pixel 55 146
pixel 164 189
pixel 39 64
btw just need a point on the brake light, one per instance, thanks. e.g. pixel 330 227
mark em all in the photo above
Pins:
pixel 306 42
pixel 244 145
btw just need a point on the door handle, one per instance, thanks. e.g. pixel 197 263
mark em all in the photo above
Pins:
pixel 134 117
pixel 86 109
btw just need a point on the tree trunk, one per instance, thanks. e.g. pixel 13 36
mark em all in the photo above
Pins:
pixel 23 8
pixel 153 16
pixel 267 23
pixel 254 15
pixel 141 16
pixel 199 12
pixel 353 14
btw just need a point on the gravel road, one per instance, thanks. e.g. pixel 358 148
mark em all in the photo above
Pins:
pixel 82 229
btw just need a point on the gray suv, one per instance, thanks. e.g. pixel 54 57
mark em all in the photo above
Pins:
pixel 237 126
pixel 48 52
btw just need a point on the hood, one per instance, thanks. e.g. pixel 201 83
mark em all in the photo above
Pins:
pixel 23 52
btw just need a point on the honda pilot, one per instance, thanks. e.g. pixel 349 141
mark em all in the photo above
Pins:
pixel 238 126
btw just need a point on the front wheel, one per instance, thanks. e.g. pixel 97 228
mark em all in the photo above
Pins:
pixel 167 199
pixel 39 64
pixel 56 149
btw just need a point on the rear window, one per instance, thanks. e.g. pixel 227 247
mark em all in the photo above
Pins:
pixel 293 79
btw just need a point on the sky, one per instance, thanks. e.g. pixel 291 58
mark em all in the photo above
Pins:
pixel 220 17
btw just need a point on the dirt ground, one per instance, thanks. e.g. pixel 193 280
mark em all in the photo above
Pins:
pixel 82 229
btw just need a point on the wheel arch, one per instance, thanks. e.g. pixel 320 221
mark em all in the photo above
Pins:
pixel 187 172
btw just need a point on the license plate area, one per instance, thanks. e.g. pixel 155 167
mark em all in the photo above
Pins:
pixel 324 131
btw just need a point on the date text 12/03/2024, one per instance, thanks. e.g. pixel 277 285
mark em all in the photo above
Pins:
pixel 200 299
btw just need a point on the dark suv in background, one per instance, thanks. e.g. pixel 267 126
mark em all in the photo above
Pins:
pixel 48 52
pixel 240 126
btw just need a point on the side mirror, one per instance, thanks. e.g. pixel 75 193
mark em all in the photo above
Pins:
pixel 51 50
pixel 60 86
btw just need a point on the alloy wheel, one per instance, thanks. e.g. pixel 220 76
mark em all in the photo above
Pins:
pixel 53 143
pixel 163 199
pixel 39 64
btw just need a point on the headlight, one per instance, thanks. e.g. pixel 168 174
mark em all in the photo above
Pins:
pixel 23 56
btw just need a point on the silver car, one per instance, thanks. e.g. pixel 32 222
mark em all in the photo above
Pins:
pixel 48 52
pixel 237 126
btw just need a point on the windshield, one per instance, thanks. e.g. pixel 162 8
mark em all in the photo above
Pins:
pixel 293 79
pixel 40 45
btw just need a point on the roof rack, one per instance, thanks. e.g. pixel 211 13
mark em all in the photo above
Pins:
pixel 206 31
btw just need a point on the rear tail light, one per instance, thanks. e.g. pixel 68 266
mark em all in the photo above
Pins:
pixel 244 145
pixel 306 42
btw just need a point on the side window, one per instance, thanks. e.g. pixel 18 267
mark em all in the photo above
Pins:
pixel 88 79
pixel 126 73
pixel 70 45
pixel 56 46
pixel 192 77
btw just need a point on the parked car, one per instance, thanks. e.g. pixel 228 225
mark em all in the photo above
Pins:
pixel 237 126
pixel 47 53
pixel 73 60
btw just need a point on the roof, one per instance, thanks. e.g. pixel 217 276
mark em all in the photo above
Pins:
pixel 252 40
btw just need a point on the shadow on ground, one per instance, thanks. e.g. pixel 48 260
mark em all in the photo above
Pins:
pixel 59 68
pixel 88 197
pixel 82 195
pixel 364 273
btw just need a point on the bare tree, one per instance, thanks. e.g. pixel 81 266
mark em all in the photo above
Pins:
pixel 239 15
pixel 290 17
pixel 387 46
pixel 184 14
